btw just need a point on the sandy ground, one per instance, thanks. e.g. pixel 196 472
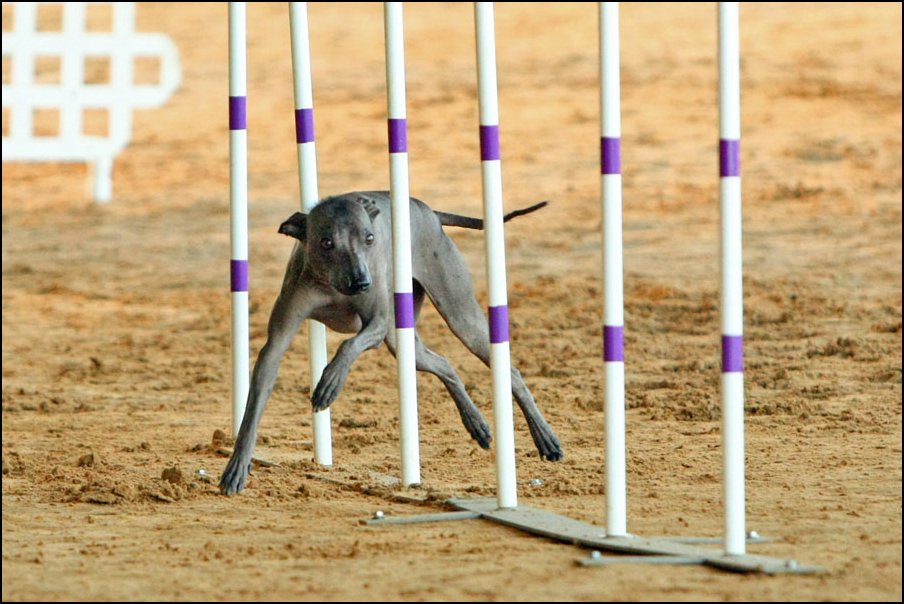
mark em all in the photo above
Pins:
pixel 116 319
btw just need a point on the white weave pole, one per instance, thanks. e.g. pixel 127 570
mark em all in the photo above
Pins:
pixel 307 186
pixel 238 211
pixel 491 172
pixel 401 242
pixel 732 303
pixel 613 280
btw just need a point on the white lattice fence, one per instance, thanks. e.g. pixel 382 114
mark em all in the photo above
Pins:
pixel 69 86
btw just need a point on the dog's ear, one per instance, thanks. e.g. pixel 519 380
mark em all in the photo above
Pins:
pixel 295 226
pixel 369 206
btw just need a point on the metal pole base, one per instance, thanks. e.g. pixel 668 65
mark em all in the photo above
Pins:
pixel 657 551
pixel 597 559
pixel 379 519
pixel 636 550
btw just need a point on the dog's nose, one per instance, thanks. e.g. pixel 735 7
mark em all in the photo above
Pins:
pixel 358 279
pixel 360 286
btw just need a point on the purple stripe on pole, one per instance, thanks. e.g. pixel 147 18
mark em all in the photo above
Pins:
pixel 732 354
pixel 237 119
pixel 404 310
pixel 613 343
pixel 398 135
pixel 610 155
pixel 239 280
pixel 499 324
pixel 304 126
pixel 489 144
pixel 729 157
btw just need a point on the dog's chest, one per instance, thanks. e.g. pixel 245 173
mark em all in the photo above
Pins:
pixel 339 316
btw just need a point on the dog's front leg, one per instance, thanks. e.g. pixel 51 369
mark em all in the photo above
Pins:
pixel 292 307
pixel 335 373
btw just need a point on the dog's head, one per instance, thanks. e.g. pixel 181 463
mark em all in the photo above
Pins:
pixel 340 236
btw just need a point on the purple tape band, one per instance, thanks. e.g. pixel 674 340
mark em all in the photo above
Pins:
pixel 613 344
pixel 489 143
pixel 610 155
pixel 499 324
pixel 404 310
pixel 732 354
pixel 239 275
pixel 237 119
pixel 304 126
pixel 729 157
pixel 398 135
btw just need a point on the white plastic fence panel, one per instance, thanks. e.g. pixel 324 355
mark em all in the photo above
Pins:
pixel 71 48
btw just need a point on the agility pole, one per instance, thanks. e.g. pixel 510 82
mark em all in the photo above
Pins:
pixel 238 214
pixel 613 280
pixel 397 124
pixel 732 303
pixel 491 177
pixel 307 187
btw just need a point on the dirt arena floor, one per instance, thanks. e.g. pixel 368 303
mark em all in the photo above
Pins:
pixel 116 328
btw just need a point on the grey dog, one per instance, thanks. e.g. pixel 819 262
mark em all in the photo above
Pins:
pixel 341 275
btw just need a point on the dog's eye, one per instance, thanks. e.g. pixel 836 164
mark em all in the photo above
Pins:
pixel 326 243
pixel 369 239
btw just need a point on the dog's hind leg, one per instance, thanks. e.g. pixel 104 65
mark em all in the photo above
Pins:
pixel 448 284
pixel 430 362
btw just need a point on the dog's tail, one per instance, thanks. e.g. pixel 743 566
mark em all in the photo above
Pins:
pixel 466 222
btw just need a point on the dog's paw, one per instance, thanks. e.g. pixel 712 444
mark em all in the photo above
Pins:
pixel 234 476
pixel 553 453
pixel 328 388
pixel 480 431
pixel 547 444
pixel 473 421
pixel 484 438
